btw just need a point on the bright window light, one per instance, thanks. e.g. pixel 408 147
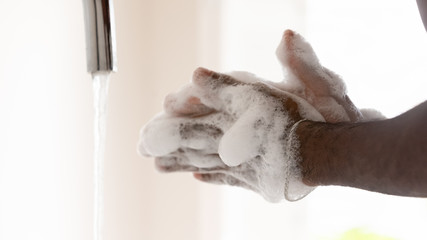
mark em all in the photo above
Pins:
pixel 380 50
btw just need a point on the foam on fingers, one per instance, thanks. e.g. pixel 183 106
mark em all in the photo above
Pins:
pixel 237 128
pixel 186 102
pixel 212 81
pixel 159 137
pixel 173 164
pixel 165 134
pixel 240 143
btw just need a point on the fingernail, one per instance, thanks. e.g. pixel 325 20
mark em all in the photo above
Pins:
pixel 204 73
pixel 198 176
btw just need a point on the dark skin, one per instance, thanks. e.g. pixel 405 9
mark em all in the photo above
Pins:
pixel 387 156
pixel 422 6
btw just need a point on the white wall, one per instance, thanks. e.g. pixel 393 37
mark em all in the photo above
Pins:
pixel 157 52
pixel 46 122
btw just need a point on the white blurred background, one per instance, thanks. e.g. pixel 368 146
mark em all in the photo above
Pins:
pixel 46 132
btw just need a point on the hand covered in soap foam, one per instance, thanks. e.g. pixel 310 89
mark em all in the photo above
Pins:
pixel 236 129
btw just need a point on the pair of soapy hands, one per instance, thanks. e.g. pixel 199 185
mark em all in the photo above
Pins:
pixel 237 129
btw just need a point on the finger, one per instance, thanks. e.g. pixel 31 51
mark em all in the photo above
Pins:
pixel 340 96
pixel 242 141
pixel 235 93
pixel 204 162
pixel 165 134
pixel 204 133
pixel 189 160
pixel 201 135
pixel 212 81
pixel 320 85
pixel 186 103
pixel 217 178
pixel 201 98
pixel 160 136
pixel 172 164
pixel 222 179
pixel 298 57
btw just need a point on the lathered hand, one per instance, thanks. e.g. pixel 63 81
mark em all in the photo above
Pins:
pixel 237 129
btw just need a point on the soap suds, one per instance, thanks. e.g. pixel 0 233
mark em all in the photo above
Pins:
pixel 248 133
pixel 238 129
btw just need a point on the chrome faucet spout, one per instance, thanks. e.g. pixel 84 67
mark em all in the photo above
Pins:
pixel 100 36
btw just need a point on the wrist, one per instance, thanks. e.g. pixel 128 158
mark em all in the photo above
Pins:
pixel 295 188
pixel 313 160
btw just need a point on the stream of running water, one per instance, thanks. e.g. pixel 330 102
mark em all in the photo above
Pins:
pixel 100 92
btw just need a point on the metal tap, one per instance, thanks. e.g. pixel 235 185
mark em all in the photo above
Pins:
pixel 100 36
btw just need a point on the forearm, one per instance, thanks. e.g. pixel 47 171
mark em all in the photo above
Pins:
pixel 388 156
pixel 422 6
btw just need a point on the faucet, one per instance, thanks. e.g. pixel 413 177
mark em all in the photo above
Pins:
pixel 101 61
pixel 100 36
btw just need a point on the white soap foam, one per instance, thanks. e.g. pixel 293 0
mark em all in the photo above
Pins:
pixel 261 131
pixel 159 137
pixel 370 114
pixel 253 137
pixel 247 138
